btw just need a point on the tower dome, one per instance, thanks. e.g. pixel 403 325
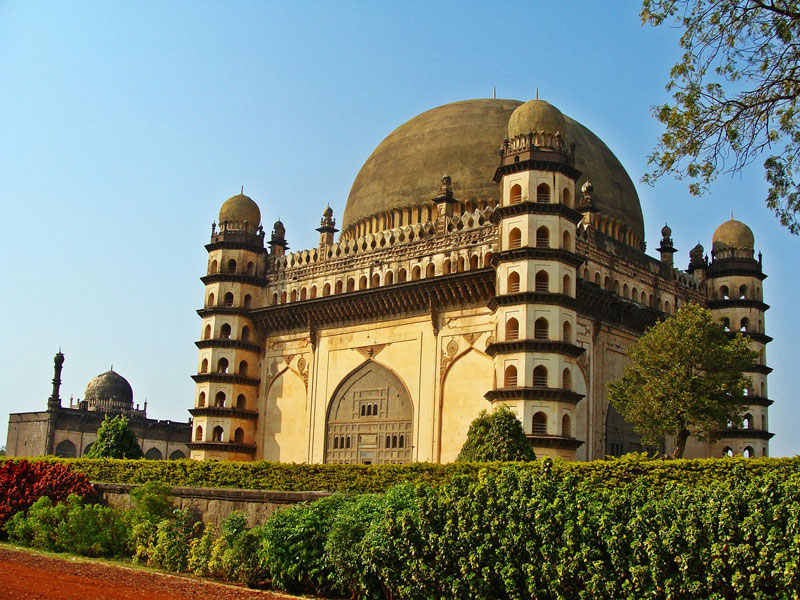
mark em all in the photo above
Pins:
pixel 109 392
pixel 537 116
pixel 732 235
pixel 238 209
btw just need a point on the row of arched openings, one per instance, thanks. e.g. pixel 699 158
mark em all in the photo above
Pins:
pixel 540 425
pixel 218 433
pixel 231 267
pixel 219 400
pixel 223 366
pixel 542 194
pixel 539 377
pixel 542 238
pixel 363 282
pixel 228 300
pixel 541 330
pixel 225 332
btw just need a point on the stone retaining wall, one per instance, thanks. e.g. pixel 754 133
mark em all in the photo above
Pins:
pixel 214 504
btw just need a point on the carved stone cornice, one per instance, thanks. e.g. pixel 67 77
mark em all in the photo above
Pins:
pixel 552 346
pixel 534 393
pixel 465 289
pixel 536 208
pixel 532 253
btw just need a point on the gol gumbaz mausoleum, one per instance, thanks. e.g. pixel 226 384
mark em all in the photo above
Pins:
pixel 491 252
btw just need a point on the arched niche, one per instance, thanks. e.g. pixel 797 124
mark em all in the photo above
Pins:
pixel 364 432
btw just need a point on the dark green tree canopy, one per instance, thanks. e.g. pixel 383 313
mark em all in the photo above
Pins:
pixel 735 95
pixel 685 376
pixel 496 436
pixel 115 439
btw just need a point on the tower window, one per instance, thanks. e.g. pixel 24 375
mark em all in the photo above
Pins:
pixel 543 193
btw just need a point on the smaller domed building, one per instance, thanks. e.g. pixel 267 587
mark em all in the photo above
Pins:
pixel 70 431
pixel 491 252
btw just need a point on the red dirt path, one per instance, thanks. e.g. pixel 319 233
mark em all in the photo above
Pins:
pixel 31 576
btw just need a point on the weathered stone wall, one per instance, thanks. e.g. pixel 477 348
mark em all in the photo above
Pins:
pixel 214 504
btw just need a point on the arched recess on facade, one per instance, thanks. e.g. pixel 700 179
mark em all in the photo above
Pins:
pixel 284 410
pixel 364 432
pixel 465 381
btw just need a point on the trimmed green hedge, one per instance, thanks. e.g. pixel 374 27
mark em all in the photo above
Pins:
pixel 379 478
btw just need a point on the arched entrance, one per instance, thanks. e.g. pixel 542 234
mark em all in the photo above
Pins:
pixel 369 419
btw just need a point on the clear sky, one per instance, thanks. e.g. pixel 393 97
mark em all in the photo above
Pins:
pixel 125 125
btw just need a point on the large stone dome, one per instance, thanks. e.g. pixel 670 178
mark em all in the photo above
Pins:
pixel 109 392
pixel 463 139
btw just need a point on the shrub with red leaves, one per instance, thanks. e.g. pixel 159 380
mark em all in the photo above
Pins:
pixel 22 483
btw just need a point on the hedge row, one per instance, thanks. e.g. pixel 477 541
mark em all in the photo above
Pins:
pixel 378 478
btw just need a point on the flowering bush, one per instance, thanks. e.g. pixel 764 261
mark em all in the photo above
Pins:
pixel 22 483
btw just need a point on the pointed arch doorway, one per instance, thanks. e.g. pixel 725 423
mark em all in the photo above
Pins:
pixel 369 419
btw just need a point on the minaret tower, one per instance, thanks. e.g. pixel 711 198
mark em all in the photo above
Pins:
pixel 225 412
pixel 736 298
pixel 535 355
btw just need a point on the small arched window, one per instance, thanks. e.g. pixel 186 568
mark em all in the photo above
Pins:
pixel 241 401
pixel 228 301
pixel 543 237
pixel 566 285
pixel 198 434
pixel 219 399
pixel 430 270
pixel 541 329
pixel 510 376
pixel 543 193
pixel 566 332
pixel 539 424
pixel 512 283
pixel 540 376
pixel 243 368
pixel 542 281
pixel 231 266
pixel 204 366
pixel 238 436
pixel 514 238
pixel 222 365
pixel 566 426
pixel 512 329
pixel 566 379
pixel 415 273
pixel 216 435
pixel 225 331
pixel 201 399
pixel 516 194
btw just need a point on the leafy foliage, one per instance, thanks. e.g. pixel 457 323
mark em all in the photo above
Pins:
pixel 23 482
pixel 496 436
pixel 685 376
pixel 115 439
pixel 735 95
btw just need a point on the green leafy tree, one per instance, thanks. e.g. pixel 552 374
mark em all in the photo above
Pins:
pixel 115 439
pixel 686 376
pixel 735 95
pixel 496 436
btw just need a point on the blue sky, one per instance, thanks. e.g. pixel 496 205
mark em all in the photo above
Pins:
pixel 124 126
